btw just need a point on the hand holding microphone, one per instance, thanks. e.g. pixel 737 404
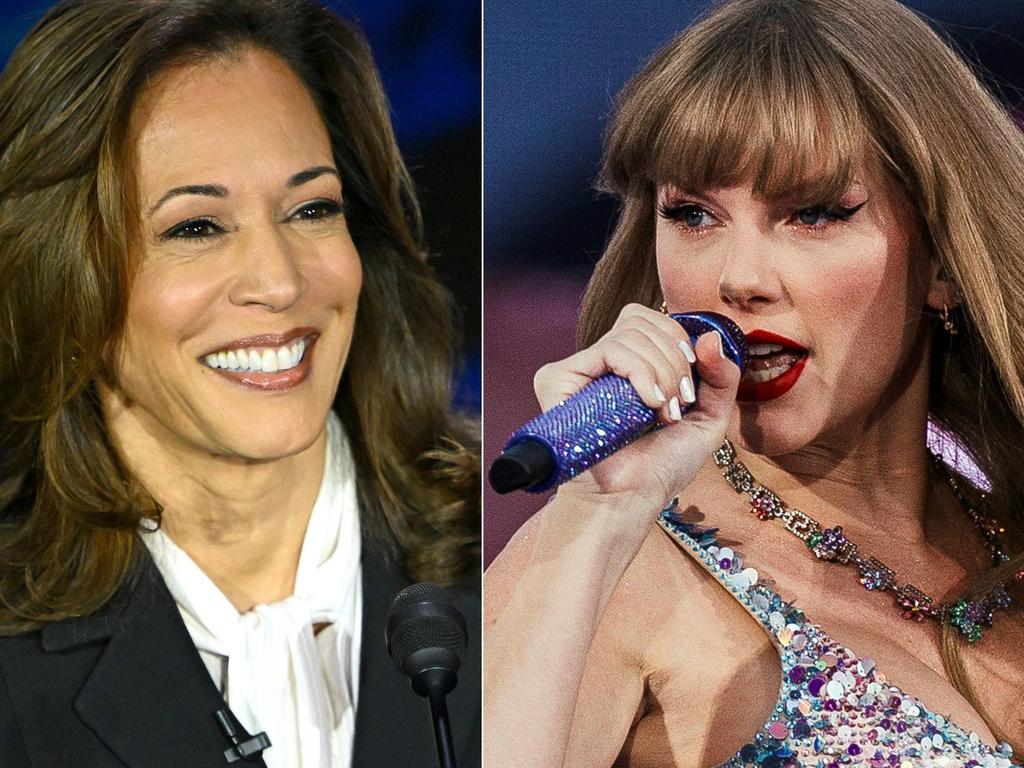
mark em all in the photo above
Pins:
pixel 645 372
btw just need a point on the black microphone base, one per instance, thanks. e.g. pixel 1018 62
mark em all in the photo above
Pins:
pixel 527 464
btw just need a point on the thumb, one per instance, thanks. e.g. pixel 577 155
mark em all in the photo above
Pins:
pixel 719 380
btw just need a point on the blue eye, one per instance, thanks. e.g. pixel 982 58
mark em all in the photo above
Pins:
pixel 689 215
pixel 819 216
pixel 193 229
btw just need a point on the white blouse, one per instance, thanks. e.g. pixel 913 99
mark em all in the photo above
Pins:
pixel 275 674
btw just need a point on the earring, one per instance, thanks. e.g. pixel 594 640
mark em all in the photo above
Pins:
pixel 664 308
pixel 947 323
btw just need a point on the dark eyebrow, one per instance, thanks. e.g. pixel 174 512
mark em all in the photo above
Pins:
pixel 210 190
pixel 216 190
pixel 309 174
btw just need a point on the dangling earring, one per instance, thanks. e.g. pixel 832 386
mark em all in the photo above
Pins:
pixel 664 308
pixel 947 323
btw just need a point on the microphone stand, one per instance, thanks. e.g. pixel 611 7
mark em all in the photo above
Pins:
pixel 442 730
pixel 435 682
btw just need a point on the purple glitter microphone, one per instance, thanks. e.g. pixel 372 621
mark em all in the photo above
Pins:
pixel 600 419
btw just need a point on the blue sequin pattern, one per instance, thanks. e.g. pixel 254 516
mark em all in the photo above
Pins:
pixel 603 417
pixel 834 709
pixel 608 414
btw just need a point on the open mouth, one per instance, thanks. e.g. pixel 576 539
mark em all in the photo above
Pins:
pixel 773 367
pixel 258 363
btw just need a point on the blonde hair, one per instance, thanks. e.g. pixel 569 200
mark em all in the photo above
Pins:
pixel 794 95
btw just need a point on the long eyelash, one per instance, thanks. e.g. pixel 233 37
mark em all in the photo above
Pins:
pixel 843 214
pixel 333 205
pixel 170 234
pixel 671 212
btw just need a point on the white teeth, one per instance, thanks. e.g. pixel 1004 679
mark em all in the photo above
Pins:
pixel 756 377
pixel 269 362
pixel 284 359
pixel 765 349
pixel 265 360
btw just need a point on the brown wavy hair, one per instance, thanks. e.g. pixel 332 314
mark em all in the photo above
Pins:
pixel 69 509
pixel 794 95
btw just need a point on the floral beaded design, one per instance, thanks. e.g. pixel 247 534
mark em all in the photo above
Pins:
pixel 834 709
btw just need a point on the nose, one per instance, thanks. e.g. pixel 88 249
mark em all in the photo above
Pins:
pixel 270 271
pixel 748 279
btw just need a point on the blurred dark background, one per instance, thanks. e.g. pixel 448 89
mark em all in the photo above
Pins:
pixel 429 57
pixel 551 73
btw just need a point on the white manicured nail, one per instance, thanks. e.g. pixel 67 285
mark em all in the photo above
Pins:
pixel 658 394
pixel 688 352
pixel 721 348
pixel 673 409
pixel 686 388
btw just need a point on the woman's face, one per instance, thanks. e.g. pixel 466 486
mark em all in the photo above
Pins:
pixel 831 295
pixel 242 310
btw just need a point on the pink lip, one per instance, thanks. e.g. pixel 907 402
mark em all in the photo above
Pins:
pixel 265 340
pixel 276 381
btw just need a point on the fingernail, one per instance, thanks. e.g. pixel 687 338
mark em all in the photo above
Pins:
pixel 658 394
pixel 721 348
pixel 687 352
pixel 673 409
pixel 686 387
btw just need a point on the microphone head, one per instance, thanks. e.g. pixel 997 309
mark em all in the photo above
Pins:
pixel 425 630
pixel 734 342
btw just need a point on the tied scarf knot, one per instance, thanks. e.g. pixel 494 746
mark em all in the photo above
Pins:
pixel 281 677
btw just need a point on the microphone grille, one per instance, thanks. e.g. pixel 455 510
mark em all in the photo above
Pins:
pixel 424 616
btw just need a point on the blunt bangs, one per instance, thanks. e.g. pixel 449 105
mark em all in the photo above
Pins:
pixel 768 104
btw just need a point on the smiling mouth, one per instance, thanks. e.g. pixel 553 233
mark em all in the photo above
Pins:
pixel 266 368
pixel 260 359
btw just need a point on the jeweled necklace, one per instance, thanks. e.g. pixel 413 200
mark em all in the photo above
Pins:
pixel 970 617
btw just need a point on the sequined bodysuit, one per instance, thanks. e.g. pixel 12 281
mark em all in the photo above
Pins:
pixel 834 709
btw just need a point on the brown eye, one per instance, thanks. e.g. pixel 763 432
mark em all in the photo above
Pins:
pixel 318 209
pixel 193 229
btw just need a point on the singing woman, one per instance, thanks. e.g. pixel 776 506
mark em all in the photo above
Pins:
pixel 820 563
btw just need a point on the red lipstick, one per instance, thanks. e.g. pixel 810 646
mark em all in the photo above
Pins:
pixel 792 352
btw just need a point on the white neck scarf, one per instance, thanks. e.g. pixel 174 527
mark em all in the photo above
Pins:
pixel 299 689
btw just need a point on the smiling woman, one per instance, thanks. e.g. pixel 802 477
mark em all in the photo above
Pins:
pixel 225 429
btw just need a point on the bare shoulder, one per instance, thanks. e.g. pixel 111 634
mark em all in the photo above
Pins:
pixel 681 642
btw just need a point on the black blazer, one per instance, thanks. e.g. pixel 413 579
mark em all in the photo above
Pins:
pixel 126 687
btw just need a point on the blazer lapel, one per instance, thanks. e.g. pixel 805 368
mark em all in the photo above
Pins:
pixel 149 698
pixel 392 723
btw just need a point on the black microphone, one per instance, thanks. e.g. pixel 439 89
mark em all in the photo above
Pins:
pixel 243 746
pixel 425 636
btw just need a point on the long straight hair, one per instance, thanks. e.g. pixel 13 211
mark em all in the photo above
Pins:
pixel 792 96
pixel 69 508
